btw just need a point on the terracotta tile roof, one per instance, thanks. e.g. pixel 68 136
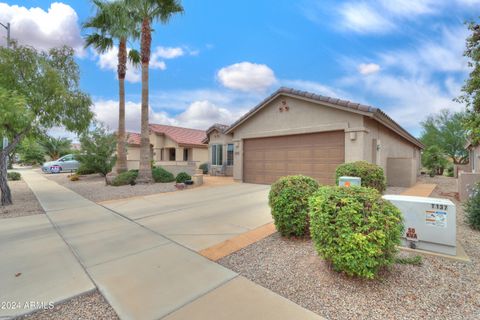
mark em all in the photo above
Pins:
pixel 217 126
pixel 183 136
pixel 373 112
pixel 133 138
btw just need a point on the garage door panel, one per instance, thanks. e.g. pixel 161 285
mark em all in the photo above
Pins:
pixel 316 155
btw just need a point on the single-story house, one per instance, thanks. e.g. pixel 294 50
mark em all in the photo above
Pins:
pixel 474 157
pixel 296 132
pixel 170 146
pixel 469 175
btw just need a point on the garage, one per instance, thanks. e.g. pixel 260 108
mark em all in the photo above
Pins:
pixel 314 154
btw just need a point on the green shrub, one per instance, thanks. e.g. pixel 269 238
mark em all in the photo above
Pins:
pixel 161 175
pixel 182 177
pixel 372 175
pixel 288 199
pixel 125 178
pixel 204 168
pixel 355 229
pixel 450 170
pixel 472 208
pixel 13 176
pixel 84 170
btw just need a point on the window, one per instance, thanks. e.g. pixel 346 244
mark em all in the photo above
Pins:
pixel 185 154
pixel 229 154
pixel 217 155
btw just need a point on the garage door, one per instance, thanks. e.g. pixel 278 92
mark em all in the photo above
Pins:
pixel 315 155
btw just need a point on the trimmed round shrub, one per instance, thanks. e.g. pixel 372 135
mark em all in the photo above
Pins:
pixel 355 229
pixel 288 199
pixel 472 208
pixel 372 175
pixel 13 176
pixel 204 168
pixel 125 178
pixel 182 177
pixel 161 175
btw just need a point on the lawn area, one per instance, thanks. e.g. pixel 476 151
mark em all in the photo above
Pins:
pixel 292 268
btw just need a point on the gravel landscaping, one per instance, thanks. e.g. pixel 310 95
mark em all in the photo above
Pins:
pixel 93 187
pixel 438 289
pixel 24 202
pixel 91 306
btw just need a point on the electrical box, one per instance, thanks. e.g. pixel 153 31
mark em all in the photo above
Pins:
pixel 430 223
pixel 349 181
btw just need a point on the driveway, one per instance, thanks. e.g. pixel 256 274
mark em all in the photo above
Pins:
pixel 199 218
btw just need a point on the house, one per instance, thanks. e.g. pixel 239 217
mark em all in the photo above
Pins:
pixel 175 148
pixel 296 132
pixel 474 157
pixel 469 175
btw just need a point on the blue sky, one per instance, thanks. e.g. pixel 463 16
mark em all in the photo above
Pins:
pixel 221 58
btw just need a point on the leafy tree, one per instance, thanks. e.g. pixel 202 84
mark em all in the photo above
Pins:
pixel 97 150
pixel 471 88
pixel 147 12
pixel 434 160
pixel 113 22
pixel 31 152
pixel 55 147
pixel 39 90
pixel 446 131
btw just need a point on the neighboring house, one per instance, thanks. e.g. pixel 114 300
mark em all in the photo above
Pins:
pixel 170 147
pixel 296 132
pixel 469 175
pixel 474 157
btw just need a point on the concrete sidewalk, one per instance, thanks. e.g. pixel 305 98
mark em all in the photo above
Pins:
pixel 144 275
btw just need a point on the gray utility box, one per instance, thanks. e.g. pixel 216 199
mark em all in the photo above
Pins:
pixel 430 223
pixel 349 181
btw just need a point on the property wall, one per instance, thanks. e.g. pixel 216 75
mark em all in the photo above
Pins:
pixel 475 158
pixel 391 146
pixel 466 180
pixel 303 116
pixel 216 137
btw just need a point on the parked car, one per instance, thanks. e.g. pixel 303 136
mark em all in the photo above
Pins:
pixel 64 164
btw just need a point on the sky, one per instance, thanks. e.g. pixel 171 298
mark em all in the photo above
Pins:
pixel 221 58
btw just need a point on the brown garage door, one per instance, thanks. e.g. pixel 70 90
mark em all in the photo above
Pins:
pixel 315 155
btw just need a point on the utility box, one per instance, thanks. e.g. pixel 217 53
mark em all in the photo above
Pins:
pixel 430 223
pixel 349 181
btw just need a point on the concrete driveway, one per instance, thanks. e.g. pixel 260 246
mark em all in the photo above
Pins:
pixel 199 218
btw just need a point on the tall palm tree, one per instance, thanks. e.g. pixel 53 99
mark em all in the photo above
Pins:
pixel 147 12
pixel 112 23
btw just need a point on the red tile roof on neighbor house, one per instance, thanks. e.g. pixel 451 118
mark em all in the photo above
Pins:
pixel 184 137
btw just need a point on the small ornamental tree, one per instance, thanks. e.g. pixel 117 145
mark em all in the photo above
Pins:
pixel 38 91
pixel 355 229
pixel 97 150
pixel 288 199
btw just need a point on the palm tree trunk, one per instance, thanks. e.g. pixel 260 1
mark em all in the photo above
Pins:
pixel 145 169
pixel 121 165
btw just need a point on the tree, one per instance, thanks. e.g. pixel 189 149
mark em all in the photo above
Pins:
pixel 39 90
pixel 434 160
pixel 55 147
pixel 97 151
pixel 446 131
pixel 149 11
pixel 471 88
pixel 114 22
pixel 30 151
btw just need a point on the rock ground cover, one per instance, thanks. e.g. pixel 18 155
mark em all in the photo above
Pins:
pixel 439 288
pixel 24 202
pixel 93 187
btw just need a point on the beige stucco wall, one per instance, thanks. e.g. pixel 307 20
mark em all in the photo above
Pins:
pixel 466 181
pixel 302 117
pixel 133 157
pixel 475 158
pixel 200 155
pixel 391 146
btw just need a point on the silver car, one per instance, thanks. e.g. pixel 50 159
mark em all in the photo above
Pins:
pixel 64 164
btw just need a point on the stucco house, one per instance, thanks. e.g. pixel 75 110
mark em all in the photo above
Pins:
pixel 296 132
pixel 474 157
pixel 172 147
pixel 469 175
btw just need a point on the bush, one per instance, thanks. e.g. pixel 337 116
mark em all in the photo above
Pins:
pixel 204 168
pixel 355 229
pixel 472 208
pixel 125 178
pixel 450 170
pixel 182 177
pixel 161 175
pixel 13 176
pixel 288 199
pixel 84 170
pixel 372 175
pixel 74 177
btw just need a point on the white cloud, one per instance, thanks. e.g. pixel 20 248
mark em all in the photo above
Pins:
pixel 363 18
pixel 247 76
pixel 167 52
pixel 42 29
pixel 202 114
pixel 368 68
pixel 315 87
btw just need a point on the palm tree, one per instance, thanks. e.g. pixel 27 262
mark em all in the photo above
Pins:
pixel 114 22
pixel 149 11
pixel 55 147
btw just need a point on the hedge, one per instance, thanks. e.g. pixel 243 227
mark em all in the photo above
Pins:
pixel 372 175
